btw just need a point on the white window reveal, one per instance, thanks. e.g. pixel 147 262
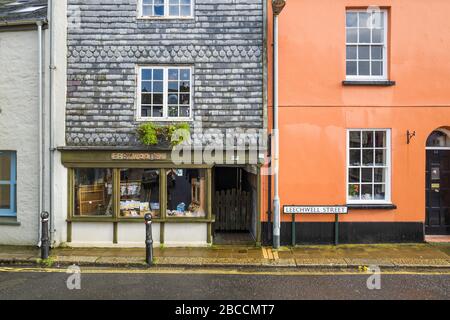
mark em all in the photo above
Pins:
pixel 368 166
pixel 164 93
pixel 366 45
pixel 166 8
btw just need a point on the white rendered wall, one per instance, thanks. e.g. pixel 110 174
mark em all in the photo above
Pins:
pixel 133 234
pixel 185 234
pixel 19 118
pixel 101 234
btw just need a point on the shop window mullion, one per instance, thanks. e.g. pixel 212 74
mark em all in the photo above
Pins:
pixel 116 193
pixel 163 193
pixel 71 195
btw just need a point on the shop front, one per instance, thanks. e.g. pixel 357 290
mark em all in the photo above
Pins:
pixel 110 192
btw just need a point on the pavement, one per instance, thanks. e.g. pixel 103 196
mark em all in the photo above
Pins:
pixel 400 256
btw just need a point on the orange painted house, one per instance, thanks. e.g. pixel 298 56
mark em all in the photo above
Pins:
pixel 364 119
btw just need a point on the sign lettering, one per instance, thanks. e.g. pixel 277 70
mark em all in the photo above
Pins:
pixel 315 209
pixel 138 156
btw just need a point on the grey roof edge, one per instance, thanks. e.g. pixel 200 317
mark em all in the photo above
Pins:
pixel 14 23
pixel 23 12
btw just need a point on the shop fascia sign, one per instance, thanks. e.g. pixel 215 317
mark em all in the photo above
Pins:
pixel 296 209
pixel 138 156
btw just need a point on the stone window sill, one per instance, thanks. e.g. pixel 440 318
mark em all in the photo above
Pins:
pixel 9 221
pixel 386 83
pixel 372 206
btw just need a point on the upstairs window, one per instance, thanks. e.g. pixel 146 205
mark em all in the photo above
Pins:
pixel 366 45
pixel 166 8
pixel 165 93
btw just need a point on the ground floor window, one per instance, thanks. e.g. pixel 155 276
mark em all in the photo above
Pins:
pixel 186 190
pixel 8 198
pixel 93 192
pixel 134 192
pixel 369 164
pixel 139 192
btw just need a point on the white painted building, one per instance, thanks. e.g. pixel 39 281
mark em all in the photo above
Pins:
pixel 32 94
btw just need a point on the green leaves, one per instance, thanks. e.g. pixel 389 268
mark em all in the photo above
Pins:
pixel 150 134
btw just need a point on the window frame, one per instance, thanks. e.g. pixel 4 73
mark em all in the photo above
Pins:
pixel 165 117
pixel 140 12
pixel 166 194
pixel 388 182
pixel 385 59
pixel 119 195
pixel 73 198
pixel 163 191
pixel 12 182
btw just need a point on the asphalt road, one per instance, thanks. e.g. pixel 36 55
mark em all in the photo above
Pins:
pixel 223 286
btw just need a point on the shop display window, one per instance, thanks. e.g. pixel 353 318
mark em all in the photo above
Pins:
pixel 139 192
pixel 186 189
pixel 93 192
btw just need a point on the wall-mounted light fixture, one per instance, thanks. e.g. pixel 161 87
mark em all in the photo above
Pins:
pixel 409 136
pixel 277 6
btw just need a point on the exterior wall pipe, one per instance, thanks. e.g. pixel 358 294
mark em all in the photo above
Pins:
pixel 277 6
pixel 52 121
pixel 40 135
pixel 269 155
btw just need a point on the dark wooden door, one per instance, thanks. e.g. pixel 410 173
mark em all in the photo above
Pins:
pixel 438 192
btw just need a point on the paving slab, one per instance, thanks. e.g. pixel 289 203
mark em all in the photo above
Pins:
pixel 321 262
pixel 120 261
pixel 75 259
pixel 420 263
pixel 279 263
pixel 351 262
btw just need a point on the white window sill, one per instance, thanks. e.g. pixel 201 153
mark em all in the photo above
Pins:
pixel 9 221
pixel 371 206
pixel 165 119
pixel 375 82
pixel 165 18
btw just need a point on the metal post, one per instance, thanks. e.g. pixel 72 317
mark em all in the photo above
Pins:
pixel 148 239
pixel 277 6
pixel 276 197
pixel 293 230
pixel 45 243
pixel 336 229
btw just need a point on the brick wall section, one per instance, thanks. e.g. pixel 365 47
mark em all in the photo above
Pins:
pixel 106 41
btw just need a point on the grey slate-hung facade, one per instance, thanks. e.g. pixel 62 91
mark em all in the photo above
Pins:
pixel 223 42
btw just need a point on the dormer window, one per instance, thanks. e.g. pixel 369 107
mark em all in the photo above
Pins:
pixel 166 9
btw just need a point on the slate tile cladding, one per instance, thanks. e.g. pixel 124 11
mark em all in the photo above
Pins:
pixel 106 42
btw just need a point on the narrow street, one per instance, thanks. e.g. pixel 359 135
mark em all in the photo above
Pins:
pixel 219 285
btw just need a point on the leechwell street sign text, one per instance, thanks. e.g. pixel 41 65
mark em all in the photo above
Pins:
pixel 315 209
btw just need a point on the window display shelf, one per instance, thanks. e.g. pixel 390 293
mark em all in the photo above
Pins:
pixel 141 219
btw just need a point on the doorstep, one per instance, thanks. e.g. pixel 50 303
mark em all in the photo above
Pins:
pixel 437 239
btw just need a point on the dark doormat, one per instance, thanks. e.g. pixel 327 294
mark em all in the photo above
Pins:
pixel 233 238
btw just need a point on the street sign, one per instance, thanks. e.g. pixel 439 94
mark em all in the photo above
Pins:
pixel 315 209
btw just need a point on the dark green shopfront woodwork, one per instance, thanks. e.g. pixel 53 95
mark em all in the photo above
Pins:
pixel 159 160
